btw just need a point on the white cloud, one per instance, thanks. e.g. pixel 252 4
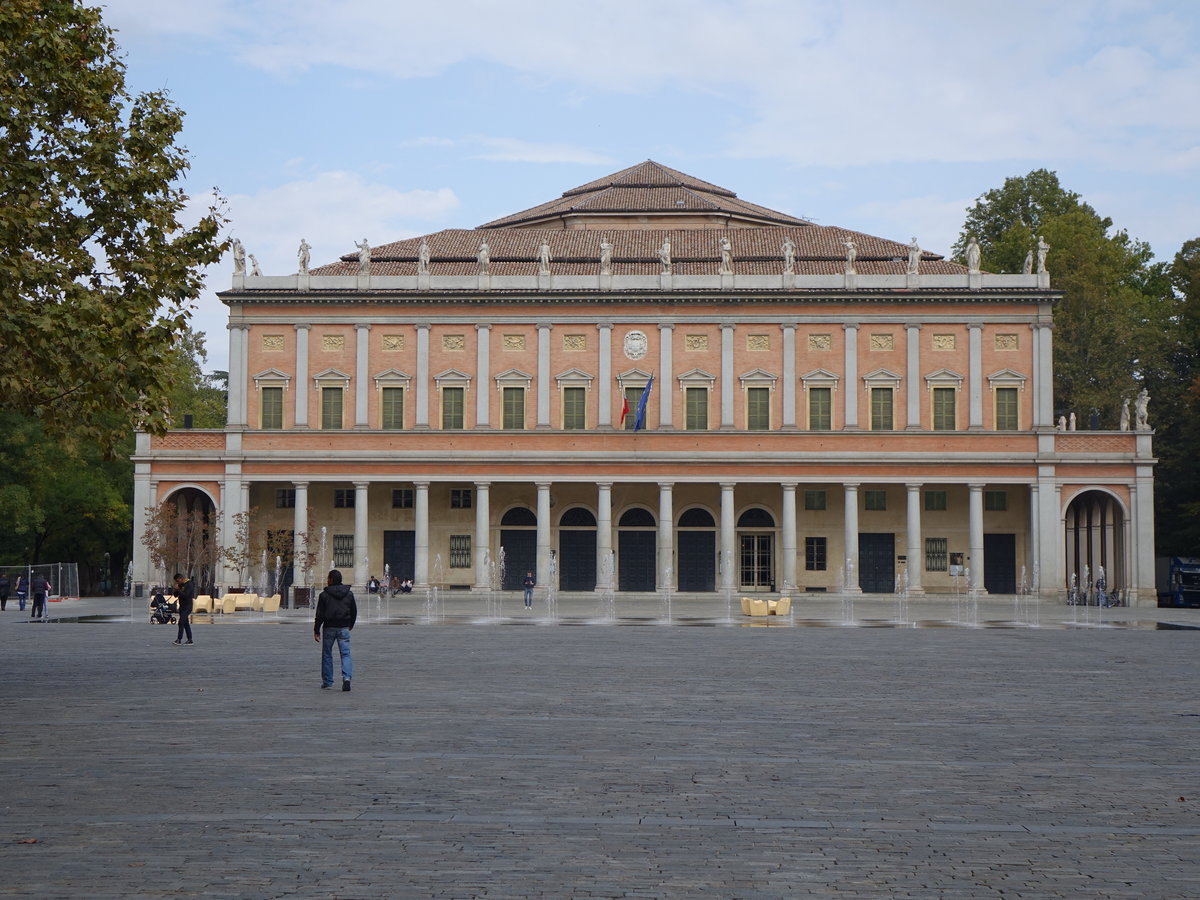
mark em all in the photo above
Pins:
pixel 512 150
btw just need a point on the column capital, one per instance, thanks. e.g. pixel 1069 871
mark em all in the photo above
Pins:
pixel 728 326
pixel 301 326
pixel 361 485
pixel 604 485
pixel 483 326
pixel 299 484
pixel 975 326
pixel 666 326
pixel 545 325
pixel 976 487
pixel 914 485
pixel 605 326
pixel 422 326
pixel 362 326
pixel 849 326
pixel 666 485
pixel 913 326
pixel 787 326
pixel 421 485
pixel 238 326
pixel 483 484
pixel 728 485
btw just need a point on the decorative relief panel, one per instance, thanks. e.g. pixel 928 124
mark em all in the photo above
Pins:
pixel 636 345
pixel 575 343
pixel 820 342
pixel 393 343
pixel 514 342
pixel 333 342
pixel 1007 342
pixel 694 342
pixel 272 343
pixel 758 342
pixel 883 342
pixel 454 342
pixel 943 342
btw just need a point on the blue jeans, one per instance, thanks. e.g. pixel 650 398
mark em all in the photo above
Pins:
pixel 328 636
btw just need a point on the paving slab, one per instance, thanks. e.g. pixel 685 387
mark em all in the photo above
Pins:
pixel 981 754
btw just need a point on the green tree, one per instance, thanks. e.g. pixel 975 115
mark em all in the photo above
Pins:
pixel 98 276
pixel 193 392
pixel 1112 322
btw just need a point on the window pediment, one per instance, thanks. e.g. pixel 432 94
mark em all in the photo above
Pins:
pixel 881 378
pixel 272 378
pixel 944 378
pixel 820 378
pixel 1007 378
pixel 452 378
pixel 696 378
pixel 574 378
pixel 392 378
pixel 513 378
pixel 758 378
pixel 633 378
pixel 331 378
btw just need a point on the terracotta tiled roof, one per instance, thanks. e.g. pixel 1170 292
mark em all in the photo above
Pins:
pixel 756 251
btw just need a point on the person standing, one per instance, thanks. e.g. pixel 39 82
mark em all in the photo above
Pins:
pixel 5 587
pixel 336 614
pixel 40 587
pixel 529 584
pixel 22 590
pixel 185 595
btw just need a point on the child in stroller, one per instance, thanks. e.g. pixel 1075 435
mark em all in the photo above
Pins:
pixel 162 611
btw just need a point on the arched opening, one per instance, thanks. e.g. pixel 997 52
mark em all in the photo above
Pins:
pixel 1095 540
pixel 577 550
pixel 636 550
pixel 518 545
pixel 756 550
pixel 181 536
pixel 697 538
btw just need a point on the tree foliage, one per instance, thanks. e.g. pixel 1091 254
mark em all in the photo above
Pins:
pixel 97 275
pixel 194 392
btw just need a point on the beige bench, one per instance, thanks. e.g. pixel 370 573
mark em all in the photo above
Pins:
pixel 752 606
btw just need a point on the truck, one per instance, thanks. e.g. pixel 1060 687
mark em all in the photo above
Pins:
pixel 1182 586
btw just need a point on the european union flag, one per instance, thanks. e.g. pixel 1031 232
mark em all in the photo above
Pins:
pixel 640 421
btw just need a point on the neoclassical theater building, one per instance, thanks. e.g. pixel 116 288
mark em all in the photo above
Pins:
pixel 651 383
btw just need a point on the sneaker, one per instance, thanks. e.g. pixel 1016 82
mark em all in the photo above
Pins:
pixel 187 642
pixel 345 685
pixel 176 642
pixel 326 687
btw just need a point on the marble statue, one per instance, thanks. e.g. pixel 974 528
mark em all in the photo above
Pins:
pixel 1140 405
pixel 1043 248
pixel 423 258
pixel 973 256
pixel 485 258
pixel 914 257
pixel 664 256
pixel 239 258
pixel 606 250
pixel 303 256
pixel 851 253
pixel 1125 414
pixel 1027 268
pixel 364 257
pixel 1071 423
pixel 1062 423
pixel 544 259
pixel 254 269
pixel 726 256
pixel 789 257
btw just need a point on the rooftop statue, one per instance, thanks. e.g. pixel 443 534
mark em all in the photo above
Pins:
pixel 726 256
pixel 851 253
pixel 423 258
pixel 973 256
pixel 544 259
pixel 1027 268
pixel 606 250
pixel 303 256
pixel 789 257
pixel 239 258
pixel 485 257
pixel 914 257
pixel 1140 406
pixel 664 256
pixel 1043 248
pixel 364 257
pixel 1125 414
pixel 254 269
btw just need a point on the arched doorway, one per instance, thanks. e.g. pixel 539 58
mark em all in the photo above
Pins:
pixel 577 550
pixel 518 543
pixel 756 550
pixel 697 537
pixel 183 538
pixel 636 550
pixel 1095 537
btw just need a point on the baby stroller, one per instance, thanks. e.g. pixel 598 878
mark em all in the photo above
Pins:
pixel 162 610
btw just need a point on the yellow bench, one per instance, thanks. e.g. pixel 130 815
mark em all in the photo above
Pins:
pixel 752 606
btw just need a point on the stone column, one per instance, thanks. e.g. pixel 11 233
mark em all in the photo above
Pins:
pixel 362 377
pixel 604 413
pixel 1141 502
pixel 483 355
pixel 230 505
pixel 666 532
pixel 666 402
pixel 975 377
pixel 421 534
pixel 302 387
pixel 975 536
pixel 142 500
pixel 483 533
pixel 238 373
pixel 361 533
pixel 421 381
pixel 789 537
pixel 788 398
pixel 916 553
pixel 604 579
pixel 727 376
pixel 299 535
pixel 913 377
pixel 728 537
pixel 543 376
pixel 1035 537
pixel 543 534
pixel 850 566
pixel 852 388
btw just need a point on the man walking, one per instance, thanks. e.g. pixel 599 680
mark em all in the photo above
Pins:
pixel 185 596
pixel 336 614
pixel 40 587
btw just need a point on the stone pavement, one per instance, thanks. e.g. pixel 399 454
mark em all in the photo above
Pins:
pixel 477 760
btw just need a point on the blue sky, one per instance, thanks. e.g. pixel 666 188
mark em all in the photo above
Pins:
pixel 384 119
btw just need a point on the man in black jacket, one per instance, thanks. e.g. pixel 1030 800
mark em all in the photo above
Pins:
pixel 185 596
pixel 336 614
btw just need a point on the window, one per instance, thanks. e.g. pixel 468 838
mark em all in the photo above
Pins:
pixel 391 403
pixel 943 408
pixel 452 408
pixel 935 554
pixel 574 412
pixel 881 409
pixel 1006 409
pixel 996 501
pixel 935 500
pixel 514 408
pixel 460 498
pixel 875 500
pixel 633 396
pixel 814 500
pixel 820 409
pixel 758 409
pixel 402 498
pixel 814 554
pixel 285 498
pixel 697 408
pixel 272 407
pixel 331 407
pixel 343 499
pixel 343 551
pixel 460 551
